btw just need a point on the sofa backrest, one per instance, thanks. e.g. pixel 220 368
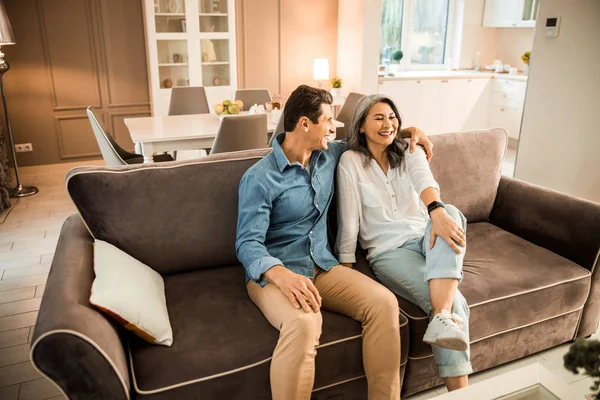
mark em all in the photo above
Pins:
pixel 182 216
pixel 468 167
pixel 174 217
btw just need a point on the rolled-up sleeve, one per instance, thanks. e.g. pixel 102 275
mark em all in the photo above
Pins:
pixel 419 171
pixel 348 216
pixel 254 215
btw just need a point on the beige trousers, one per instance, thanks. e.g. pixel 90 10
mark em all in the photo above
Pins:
pixel 347 292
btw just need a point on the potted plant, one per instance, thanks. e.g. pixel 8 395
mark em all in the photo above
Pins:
pixel 336 86
pixel 525 58
pixel 396 57
pixel 585 355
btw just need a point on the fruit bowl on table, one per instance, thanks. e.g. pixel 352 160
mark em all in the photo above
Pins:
pixel 228 108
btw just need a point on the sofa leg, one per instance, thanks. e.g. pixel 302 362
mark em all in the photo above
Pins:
pixel 576 339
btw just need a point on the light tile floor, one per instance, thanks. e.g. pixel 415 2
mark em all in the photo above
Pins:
pixel 28 236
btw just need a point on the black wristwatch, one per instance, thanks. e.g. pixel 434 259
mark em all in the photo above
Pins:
pixel 433 205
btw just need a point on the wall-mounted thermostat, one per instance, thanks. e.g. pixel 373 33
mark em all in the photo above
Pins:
pixel 552 26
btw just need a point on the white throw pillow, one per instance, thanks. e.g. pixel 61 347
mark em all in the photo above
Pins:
pixel 132 293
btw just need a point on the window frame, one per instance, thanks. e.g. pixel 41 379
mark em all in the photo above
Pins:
pixel 405 43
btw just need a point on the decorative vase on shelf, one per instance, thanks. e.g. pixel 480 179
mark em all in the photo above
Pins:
pixel 168 83
pixel 336 91
pixel 526 69
pixel 174 6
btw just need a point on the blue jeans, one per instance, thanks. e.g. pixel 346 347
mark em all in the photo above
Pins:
pixel 407 270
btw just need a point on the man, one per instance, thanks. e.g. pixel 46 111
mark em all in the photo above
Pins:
pixel 290 270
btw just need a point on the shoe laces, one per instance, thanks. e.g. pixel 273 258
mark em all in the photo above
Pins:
pixel 458 320
pixel 452 320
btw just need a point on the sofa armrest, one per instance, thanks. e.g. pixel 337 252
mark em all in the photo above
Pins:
pixel 563 224
pixel 74 345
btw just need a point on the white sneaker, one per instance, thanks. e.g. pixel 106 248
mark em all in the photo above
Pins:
pixel 444 331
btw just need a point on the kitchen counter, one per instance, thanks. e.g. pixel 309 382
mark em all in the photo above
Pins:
pixel 445 74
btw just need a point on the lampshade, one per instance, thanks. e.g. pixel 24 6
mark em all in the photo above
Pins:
pixel 6 33
pixel 321 69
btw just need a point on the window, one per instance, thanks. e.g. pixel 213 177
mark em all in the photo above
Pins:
pixel 419 28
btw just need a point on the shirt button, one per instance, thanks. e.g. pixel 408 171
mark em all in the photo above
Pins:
pixel 393 195
pixel 387 182
pixel 395 210
pixel 310 233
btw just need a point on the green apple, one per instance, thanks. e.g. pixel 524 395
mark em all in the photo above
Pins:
pixel 233 109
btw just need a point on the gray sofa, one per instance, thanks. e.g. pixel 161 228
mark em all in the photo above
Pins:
pixel 530 279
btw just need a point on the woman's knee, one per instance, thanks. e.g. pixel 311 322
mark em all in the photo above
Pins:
pixel 456 215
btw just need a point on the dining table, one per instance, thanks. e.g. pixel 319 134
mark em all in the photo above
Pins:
pixel 181 132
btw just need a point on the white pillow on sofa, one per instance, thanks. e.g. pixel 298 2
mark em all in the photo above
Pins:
pixel 131 293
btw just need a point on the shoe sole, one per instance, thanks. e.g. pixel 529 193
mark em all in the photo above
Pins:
pixel 450 344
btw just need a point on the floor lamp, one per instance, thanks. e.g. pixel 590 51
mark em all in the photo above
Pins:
pixel 7 37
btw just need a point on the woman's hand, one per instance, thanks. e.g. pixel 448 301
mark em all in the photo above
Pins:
pixel 418 137
pixel 444 226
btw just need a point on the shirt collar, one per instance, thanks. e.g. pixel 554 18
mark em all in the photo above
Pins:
pixel 280 157
pixel 282 160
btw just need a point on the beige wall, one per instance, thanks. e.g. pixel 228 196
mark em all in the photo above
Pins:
pixel 70 54
pixel 560 141
pixel 279 39
pixel 505 44
pixel 511 43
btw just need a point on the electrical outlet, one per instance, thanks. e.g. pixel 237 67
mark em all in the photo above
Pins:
pixel 23 147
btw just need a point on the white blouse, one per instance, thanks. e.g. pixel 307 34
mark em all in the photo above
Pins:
pixel 382 211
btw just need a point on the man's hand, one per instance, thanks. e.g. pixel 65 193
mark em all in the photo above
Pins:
pixel 444 226
pixel 300 290
pixel 417 136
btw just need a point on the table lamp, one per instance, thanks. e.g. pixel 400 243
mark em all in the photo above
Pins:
pixel 321 70
pixel 7 38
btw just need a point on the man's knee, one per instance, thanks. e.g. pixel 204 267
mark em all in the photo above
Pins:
pixel 385 302
pixel 306 325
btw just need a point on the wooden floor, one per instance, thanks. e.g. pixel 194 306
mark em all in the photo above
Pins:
pixel 28 236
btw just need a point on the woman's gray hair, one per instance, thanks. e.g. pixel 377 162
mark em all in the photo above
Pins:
pixel 357 140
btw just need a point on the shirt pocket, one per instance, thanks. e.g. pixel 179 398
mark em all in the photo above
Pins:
pixel 407 189
pixel 369 195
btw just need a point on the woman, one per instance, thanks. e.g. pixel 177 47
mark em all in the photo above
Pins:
pixel 389 199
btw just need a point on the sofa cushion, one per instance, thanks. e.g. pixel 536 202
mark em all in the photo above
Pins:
pixel 131 293
pixel 509 283
pixel 223 344
pixel 174 218
pixel 468 167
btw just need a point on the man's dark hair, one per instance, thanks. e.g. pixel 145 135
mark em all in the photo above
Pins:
pixel 305 101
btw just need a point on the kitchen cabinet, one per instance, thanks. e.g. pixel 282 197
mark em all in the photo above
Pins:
pixel 404 94
pixel 506 105
pixel 510 13
pixel 440 105
pixel 476 100
pixel 453 111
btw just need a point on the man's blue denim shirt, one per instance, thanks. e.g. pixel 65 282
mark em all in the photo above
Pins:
pixel 282 218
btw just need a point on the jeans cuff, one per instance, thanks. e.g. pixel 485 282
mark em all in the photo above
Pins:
pixel 449 371
pixel 443 273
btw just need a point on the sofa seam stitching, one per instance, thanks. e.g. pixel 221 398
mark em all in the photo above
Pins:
pixel 207 378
